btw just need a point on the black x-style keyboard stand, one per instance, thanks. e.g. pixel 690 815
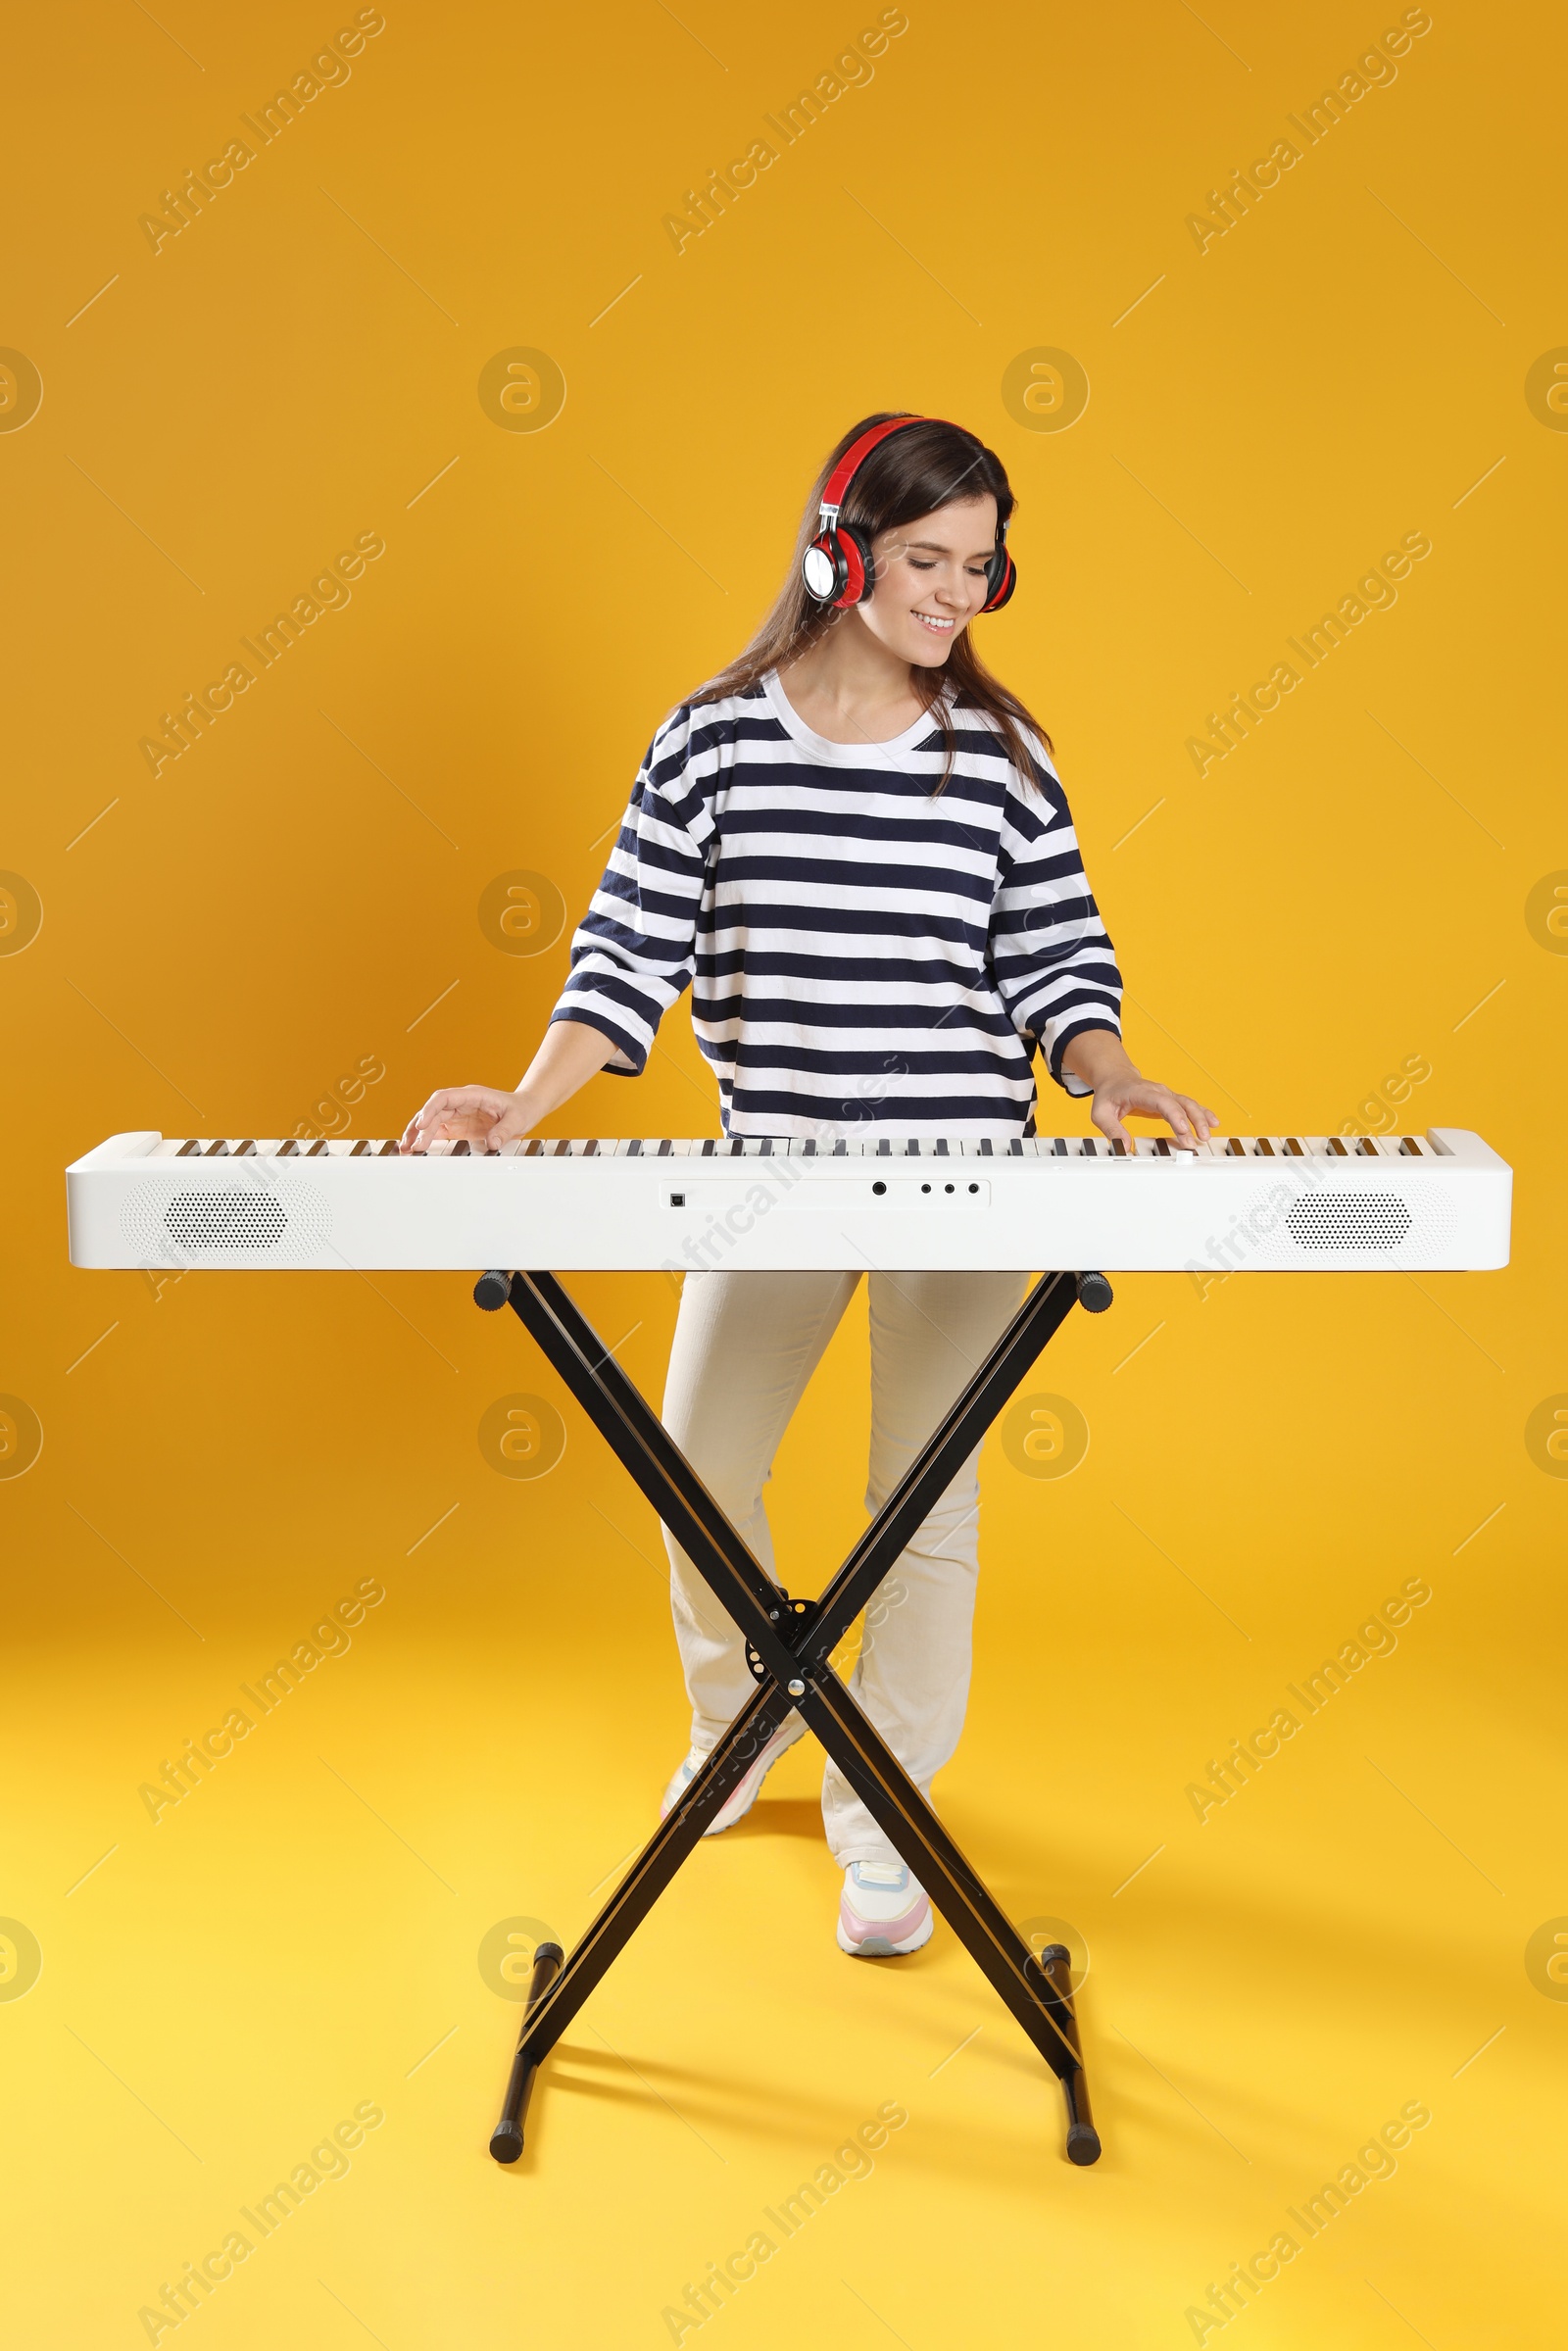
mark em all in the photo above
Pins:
pixel 789 1644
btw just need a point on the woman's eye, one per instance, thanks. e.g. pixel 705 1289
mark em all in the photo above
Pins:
pixel 916 566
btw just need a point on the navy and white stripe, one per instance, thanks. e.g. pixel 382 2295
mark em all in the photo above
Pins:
pixel 857 951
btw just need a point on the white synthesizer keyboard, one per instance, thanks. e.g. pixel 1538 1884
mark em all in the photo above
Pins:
pixel 1439 1201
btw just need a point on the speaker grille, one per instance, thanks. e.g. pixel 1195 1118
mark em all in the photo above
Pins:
pixel 277 1223
pixel 1369 1220
pixel 209 1220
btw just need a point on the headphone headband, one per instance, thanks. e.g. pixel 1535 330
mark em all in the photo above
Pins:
pixel 850 464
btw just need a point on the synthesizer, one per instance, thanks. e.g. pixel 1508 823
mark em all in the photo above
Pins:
pixel 1438 1203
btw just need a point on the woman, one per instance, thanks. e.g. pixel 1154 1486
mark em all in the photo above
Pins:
pixel 852 847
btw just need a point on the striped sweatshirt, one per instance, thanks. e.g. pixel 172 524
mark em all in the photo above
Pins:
pixel 862 957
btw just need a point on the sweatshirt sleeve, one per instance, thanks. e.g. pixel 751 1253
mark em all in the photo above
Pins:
pixel 634 950
pixel 1054 967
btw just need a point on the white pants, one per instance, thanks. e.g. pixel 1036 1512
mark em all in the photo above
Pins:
pixel 744 1346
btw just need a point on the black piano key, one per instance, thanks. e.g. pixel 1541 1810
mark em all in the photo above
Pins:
pixel 1367 1148
pixel 841 1149
pixel 216 1150
pixel 662 1152
pixel 1236 1148
pixel 941 1146
pixel 1293 1144
pixel 1015 1148
pixel 1338 1147
pixel 1410 1148
pixel 189 1150
pixel 387 1151
pixel 808 1147
pixel 1163 1147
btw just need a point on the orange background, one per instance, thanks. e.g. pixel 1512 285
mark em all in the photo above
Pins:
pixel 1366 882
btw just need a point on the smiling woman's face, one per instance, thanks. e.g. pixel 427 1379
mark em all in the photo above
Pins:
pixel 931 579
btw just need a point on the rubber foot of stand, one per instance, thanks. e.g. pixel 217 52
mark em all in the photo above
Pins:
pixel 505 2144
pixel 1083 2143
pixel 492 1291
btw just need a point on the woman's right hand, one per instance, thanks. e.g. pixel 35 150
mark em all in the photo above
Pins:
pixel 481 1114
pixel 570 1053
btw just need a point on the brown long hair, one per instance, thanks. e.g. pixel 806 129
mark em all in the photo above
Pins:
pixel 910 474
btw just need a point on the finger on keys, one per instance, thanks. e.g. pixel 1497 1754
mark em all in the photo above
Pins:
pixel 1200 1119
pixel 424 1128
pixel 1173 1109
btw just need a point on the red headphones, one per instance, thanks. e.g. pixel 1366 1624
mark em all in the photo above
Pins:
pixel 836 567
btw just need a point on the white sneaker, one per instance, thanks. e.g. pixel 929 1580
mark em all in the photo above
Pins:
pixel 882 1911
pixel 745 1797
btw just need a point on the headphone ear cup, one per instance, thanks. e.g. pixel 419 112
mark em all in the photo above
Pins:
pixel 822 569
pixel 859 566
pixel 1002 577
